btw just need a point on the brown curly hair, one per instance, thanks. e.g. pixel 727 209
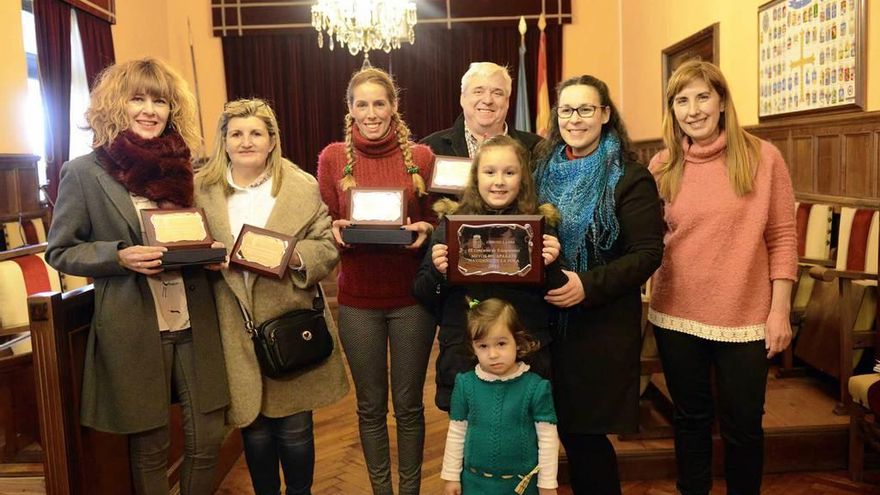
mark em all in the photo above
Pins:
pixel 107 116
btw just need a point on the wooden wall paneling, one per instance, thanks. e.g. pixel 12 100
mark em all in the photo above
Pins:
pixel 802 163
pixel 859 177
pixel 9 190
pixel 647 149
pixel 782 140
pixel 828 169
pixel 875 184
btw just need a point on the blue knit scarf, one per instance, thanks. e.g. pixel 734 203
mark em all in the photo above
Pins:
pixel 583 191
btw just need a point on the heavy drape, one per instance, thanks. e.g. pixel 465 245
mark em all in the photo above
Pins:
pixel 52 20
pixel 306 84
pixel 97 43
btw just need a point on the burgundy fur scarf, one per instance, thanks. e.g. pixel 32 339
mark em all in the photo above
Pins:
pixel 158 169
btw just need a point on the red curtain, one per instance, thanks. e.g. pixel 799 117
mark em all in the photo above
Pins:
pixel 52 19
pixel 306 84
pixel 97 43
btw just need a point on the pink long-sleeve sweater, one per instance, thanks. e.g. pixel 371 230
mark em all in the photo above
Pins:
pixel 722 251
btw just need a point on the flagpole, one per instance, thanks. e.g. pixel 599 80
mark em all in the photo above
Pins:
pixel 523 120
pixel 192 58
pixel 542 117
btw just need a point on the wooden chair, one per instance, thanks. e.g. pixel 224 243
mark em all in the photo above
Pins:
pixel 80 460
pixel 17 398
pixel 855 274
pixel 24 232
pixel 864 410
pixel 23 271
pixel 814 223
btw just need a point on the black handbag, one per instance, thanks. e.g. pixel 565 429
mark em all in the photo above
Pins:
pixel 292 342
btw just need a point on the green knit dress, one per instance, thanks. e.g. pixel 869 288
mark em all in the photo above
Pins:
pixel 501 440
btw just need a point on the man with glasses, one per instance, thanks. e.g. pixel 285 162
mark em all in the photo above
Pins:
pixel 485 98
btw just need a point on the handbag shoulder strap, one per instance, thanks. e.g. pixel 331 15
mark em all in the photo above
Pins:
pixel 248 321
pixel 318 302
pixel 317 305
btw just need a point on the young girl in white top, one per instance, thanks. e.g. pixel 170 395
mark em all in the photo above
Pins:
pixel 502 425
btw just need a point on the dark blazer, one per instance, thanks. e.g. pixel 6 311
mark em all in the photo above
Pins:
pixel 596 365
pixel 124 385
pixel 451 141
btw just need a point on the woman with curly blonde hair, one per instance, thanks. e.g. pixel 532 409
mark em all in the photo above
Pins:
pixel 376 308
pixel 154 331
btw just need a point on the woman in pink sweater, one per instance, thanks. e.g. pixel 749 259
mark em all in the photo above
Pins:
pixel 376 307
pixel 721 296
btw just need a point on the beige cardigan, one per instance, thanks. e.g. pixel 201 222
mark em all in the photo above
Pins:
pixel 299 212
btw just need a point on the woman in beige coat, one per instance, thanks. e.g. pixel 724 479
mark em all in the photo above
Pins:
pixel 248 182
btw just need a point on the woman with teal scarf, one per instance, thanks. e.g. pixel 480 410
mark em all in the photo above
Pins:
pixel 612 238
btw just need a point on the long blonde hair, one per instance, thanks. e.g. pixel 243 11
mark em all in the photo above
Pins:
pixel 215 171
pixel 380 77
pixel 107 116
pixel 743 149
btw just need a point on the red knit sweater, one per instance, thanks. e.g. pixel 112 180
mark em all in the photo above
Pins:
pixel 722 251
pixel 376 277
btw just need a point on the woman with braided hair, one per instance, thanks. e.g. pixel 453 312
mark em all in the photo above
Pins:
pixel 376 308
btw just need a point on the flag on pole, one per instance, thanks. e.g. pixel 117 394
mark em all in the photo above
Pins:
pixel 523 116
pixel 542 114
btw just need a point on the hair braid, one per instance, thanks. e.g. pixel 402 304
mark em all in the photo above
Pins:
pixel 403 134
pixel 347 180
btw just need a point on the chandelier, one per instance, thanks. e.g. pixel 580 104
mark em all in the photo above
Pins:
pixel 365 25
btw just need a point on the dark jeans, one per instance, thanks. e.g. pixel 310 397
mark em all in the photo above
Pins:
pixel 592 464
pixel 741 381
pixel 202 432
pixel 290 440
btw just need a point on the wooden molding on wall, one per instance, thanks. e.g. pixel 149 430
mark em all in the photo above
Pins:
pixel 247 17
pixel 703 45
pixel 103 9
pixel 834 158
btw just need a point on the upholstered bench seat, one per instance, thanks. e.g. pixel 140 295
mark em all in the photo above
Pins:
pixel 859 386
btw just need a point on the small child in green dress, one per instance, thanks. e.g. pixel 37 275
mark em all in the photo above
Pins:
pixel 502 436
